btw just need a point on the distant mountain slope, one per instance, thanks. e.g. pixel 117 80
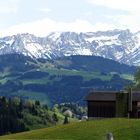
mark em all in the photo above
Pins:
pixel 93 63
pixel 120 45
pixel 66 79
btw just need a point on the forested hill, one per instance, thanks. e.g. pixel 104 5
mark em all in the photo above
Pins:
pixel 66 79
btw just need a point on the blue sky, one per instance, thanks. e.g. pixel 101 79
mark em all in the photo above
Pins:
pixel 41 17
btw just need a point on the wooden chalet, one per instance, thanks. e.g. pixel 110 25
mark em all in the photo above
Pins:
pixel 109 104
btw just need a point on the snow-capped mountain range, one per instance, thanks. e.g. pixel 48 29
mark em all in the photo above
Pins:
pixel 119 45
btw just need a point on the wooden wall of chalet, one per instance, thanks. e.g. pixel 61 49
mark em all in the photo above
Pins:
pixel 121 105
pixel 105 109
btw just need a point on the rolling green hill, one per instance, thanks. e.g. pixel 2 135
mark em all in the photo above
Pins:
pixel 66 79
pixel 122 129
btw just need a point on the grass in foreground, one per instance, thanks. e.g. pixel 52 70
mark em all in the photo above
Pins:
pixel 122 129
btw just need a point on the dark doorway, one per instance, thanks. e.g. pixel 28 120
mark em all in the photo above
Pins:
pixel 138 113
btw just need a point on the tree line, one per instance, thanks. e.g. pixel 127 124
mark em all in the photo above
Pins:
pixel 17 115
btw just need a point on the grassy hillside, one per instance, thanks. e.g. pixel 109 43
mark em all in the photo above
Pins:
pixel 122 129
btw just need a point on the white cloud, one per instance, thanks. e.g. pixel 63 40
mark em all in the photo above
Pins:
pixel 128 5
pixel 45 10
pixel 130 21
pixel 7 10
pixel 9 6
pixel 45 26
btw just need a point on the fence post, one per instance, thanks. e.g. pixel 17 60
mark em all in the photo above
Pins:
pixel 109 136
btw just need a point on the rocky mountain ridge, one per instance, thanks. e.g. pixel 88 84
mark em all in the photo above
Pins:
pixel 119 45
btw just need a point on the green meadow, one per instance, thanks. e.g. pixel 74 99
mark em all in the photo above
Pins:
pixel 121 128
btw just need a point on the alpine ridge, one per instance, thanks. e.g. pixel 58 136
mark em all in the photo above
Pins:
pixel 119 45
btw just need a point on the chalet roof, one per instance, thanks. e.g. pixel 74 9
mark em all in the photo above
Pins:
pixel 109 96
pixel 101 96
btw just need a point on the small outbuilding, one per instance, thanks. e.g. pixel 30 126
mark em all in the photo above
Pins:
pixel 109 104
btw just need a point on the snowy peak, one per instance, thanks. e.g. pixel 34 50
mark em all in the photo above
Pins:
pixel 119 45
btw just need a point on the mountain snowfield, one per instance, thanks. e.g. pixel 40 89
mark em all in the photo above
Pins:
pixel 120 45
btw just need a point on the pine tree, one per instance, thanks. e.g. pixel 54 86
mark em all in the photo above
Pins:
pixel 55 118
